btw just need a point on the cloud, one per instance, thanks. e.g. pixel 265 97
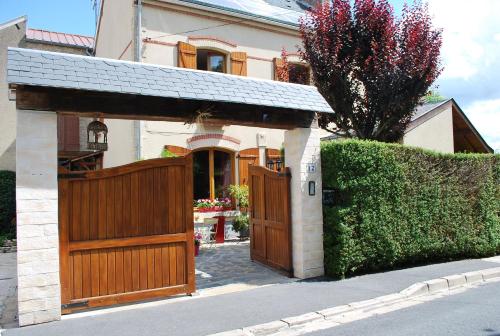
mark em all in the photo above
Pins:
pixel 485 115
pixel 471 59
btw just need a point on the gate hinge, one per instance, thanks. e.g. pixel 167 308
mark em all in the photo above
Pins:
pixel 81 304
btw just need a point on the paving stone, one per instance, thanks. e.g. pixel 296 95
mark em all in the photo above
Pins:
pixel 230 263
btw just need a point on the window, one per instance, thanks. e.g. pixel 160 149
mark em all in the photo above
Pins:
pixel 213 172
pixel 210 60
pixel 299 74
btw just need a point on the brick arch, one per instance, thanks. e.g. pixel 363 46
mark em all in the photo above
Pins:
pixel 213 140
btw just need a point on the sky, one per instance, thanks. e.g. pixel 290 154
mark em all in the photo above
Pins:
pixel 470 53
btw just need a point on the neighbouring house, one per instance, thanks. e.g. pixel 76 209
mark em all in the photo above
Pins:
pixel 72 131
pixel 440 126
pixel 444 127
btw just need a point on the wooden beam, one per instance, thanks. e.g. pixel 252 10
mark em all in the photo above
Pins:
pixel 137 107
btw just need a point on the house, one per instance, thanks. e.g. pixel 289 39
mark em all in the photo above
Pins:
pixel 440 126
pixel 244 39
pixel 72 137
pixel 444 127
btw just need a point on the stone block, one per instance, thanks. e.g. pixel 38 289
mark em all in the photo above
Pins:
pixel 37 243
pixel 437 285
pixel 456 280
pixel 45 279
pixel 302 319
pixel 473 277
pixel 335 311
pixel 416 289
pixel 266 328
pixel 491 273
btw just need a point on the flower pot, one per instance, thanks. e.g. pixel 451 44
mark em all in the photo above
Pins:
pixel 196 249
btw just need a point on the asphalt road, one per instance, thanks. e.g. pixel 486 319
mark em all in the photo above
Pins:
pixel 474 312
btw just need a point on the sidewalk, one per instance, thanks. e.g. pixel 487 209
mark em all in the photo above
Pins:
pixel 207 315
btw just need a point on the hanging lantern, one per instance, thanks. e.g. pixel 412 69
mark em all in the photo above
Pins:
pixel 270 165
pixel 278 164
pixel 97 136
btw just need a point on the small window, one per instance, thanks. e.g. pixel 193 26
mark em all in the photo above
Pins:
pixel 210 60
pixel 299 74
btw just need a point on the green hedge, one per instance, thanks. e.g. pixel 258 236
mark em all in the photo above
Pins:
pixel 7 201
pixel 396 206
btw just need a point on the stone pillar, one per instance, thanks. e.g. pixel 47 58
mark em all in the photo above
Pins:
pixel 39 293
pixel 302 156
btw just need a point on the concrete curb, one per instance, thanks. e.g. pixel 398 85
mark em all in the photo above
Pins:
pixel 419 289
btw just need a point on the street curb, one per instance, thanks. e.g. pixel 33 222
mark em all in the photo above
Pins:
pixel 419 289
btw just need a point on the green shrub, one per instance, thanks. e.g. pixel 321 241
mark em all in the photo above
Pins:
pixel 395 206
pixel 7 201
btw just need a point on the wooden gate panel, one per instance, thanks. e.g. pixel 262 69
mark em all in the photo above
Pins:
pixel 270 224
pixel 126 233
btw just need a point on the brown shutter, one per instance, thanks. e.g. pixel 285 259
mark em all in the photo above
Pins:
pixel 68 133
pixel 277 63
pixel 187 55
pixel 247 157
pixel 177 150
pixel 239 63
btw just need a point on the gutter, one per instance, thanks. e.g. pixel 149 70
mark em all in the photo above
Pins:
pixel 137 58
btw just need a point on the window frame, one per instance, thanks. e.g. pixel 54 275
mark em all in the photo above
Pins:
pixel 212 53
pixel 211 166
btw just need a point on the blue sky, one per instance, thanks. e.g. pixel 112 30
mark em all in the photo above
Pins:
pixel 471 48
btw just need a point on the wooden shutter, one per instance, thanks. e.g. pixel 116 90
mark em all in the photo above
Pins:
pixel 68 133
pixel 239 63
pixel 177 150
pixel 277 63
pixel 187 55
pixel 246 158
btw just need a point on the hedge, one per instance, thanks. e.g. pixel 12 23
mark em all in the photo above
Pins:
pixel 395 206
pixel 7 201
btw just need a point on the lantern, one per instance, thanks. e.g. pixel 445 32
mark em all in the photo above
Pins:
pixel 97 136
pixel 270 165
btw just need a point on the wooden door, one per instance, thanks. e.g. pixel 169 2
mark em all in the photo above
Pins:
pixel 126 233
pixel 270 222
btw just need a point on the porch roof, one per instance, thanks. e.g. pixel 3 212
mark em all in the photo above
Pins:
pixel 65 71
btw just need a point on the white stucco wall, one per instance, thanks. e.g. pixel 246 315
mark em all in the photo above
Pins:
pixel 435 133
pixel 164 26
pixel 9 37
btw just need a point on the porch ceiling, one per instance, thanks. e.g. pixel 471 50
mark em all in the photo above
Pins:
pixel 64 71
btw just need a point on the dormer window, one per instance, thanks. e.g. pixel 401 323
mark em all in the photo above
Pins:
pixel 210 60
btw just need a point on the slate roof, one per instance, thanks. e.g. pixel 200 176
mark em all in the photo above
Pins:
pixel 426 108
pixel 39 35
pixel 279 11
pixel 58 70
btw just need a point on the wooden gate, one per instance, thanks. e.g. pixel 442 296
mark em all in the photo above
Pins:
pixel 126 233
pixel 270 224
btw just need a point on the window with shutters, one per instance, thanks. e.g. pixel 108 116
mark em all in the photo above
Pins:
pixel 210 60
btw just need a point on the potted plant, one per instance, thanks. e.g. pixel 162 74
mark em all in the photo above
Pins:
pixel 240 195
pixel 241 223
pixel 197 243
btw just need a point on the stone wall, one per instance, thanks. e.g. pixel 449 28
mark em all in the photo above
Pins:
pixel 39 292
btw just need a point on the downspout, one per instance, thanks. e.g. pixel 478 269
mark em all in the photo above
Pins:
pixel 138 58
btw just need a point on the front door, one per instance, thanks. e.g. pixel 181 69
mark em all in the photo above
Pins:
pixel 126 233
pixel 270 222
